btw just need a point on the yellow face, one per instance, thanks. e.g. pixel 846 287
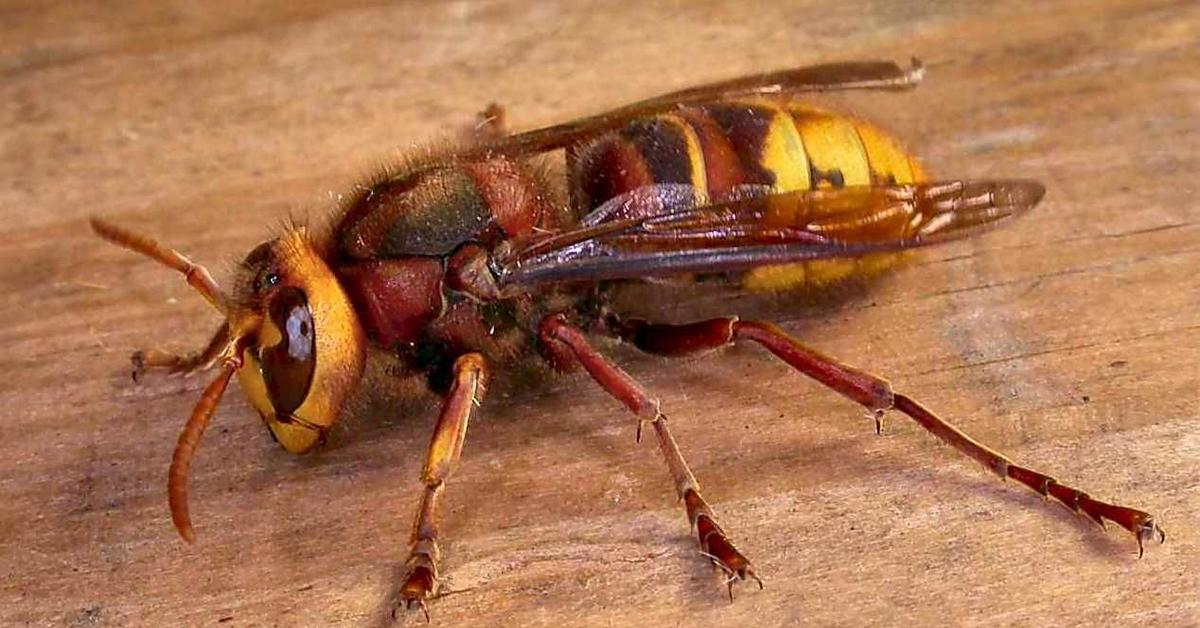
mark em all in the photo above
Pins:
pixel 308 351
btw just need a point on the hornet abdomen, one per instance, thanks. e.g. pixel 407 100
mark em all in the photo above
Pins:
pixel 724 150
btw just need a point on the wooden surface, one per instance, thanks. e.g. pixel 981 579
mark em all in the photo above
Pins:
pixel 1068 340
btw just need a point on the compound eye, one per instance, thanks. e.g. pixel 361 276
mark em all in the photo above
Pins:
pixel 287 366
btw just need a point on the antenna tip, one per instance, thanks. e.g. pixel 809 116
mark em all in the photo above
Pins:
pixel 99 225
pixel 186 532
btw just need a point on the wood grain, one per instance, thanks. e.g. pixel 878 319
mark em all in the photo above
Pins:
pixel 1069 340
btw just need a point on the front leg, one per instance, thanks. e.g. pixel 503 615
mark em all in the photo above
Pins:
pixel 172 363
pixel 466 390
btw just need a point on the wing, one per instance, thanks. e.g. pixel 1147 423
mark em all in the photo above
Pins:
pixel 816 78
pixel 659 230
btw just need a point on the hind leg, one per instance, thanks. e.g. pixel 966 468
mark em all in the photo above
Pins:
pixel 489 125
pixel 876 395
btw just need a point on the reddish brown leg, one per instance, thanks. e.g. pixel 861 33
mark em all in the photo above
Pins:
pixel 562 339
pixel 876 394
pixel 489 125
pixel 171 363
pixel 493 121
pixel 421 581
pixel 196 275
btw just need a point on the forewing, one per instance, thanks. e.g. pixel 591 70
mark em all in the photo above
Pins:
pixel 661 231
pixel 816 78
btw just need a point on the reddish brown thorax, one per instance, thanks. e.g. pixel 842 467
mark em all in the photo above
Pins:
pixel 411 245
pixel 396 298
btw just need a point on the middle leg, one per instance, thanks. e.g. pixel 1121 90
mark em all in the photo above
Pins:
pixel 564 340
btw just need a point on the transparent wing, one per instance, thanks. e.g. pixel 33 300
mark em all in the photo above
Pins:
pixel 816 78
pixel 660 230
